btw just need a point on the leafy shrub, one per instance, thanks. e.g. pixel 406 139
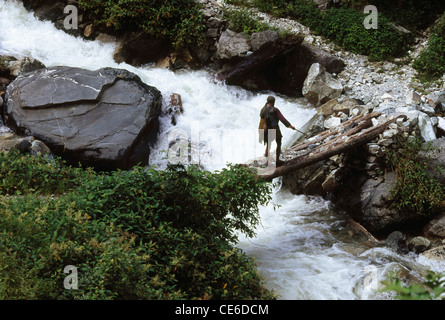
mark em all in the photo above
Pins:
pixel 22 174
pixel 178 21
pixel 432 288
pixel 138 234
pixel 345 27
pixel 414 190
pixel 242 20
pixel 431 62
pixel 412 14
pixel 305 11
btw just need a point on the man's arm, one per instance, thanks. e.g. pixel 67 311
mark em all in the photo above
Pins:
pixel 283 119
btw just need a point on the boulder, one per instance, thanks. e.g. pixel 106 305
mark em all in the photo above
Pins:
pixel 232 44
pixel 24 65
pixel 260 38
pixel 105 118
pixel 435 160
pixel 436 227
pixel 418 244
pixel 319 86
pixel 368 202
pixel 436 253
pixel 280 66
pixel 426 128
pixel 140 48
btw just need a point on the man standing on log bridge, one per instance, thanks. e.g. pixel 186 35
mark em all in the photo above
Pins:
pixel 270 118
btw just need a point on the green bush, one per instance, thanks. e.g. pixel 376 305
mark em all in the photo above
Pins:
pixel 242 20
pixel 138 234
pixel 411 14
pixel 415 189
pixel 178 21
pixel 345 27
pixel 431 62
pixel 22 174
pixel 432 288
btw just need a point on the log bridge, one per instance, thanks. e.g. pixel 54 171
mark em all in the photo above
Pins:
pixel 344 137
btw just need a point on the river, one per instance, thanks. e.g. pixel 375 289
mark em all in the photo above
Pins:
pixel 303 248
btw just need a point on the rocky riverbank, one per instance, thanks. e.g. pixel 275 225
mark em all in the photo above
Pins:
pixel 339 84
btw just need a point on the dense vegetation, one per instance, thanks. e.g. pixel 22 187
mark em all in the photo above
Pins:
pixel 139 234
pixel 344 26
pixel 180 22
pixel 431 61
pixel 415 189
pixel 432 288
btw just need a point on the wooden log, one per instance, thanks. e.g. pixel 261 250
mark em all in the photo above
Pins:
pixel 339 146
pixel 323 135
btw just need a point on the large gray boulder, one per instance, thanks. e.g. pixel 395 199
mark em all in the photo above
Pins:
pixel 105 118
pixel 280 66
pixel 320 86
pixel 232 44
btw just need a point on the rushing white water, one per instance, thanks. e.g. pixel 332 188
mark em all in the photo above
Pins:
pixel 302 249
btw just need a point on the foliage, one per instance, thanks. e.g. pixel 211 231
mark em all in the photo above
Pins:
pixel 432 288
pixel 138 234
pixel 344 26
pixel 242 20
pixel 431 62
pixel 415 189
pixel 21 174
pixel 178 21
pixel 411 14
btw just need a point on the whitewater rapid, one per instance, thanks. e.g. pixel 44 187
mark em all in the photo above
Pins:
pixel 302 249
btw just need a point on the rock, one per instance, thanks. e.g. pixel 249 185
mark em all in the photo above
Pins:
pixel 311 128
pixel 375 149
pixel 413 98
pixel 281 66
pixel 395 240
pixel 332 122
pixel 435 160
pixel 25 65
pixel 319 86
pixel 174 107
pixel 428 110
pixel 307 180
pixel 426 128
pixel 260 38
pixel 39 148
pixel 436 227
pixel 232 44
pixel 331 183
pixel 88 32
pixel 140 48
pixel 368 202
pixel 324 4
pixel 24 145
pixel 418 244
pixel 436 253
pixel 327 108
pixel 105 118
pixel 10 141
pixel 441 124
